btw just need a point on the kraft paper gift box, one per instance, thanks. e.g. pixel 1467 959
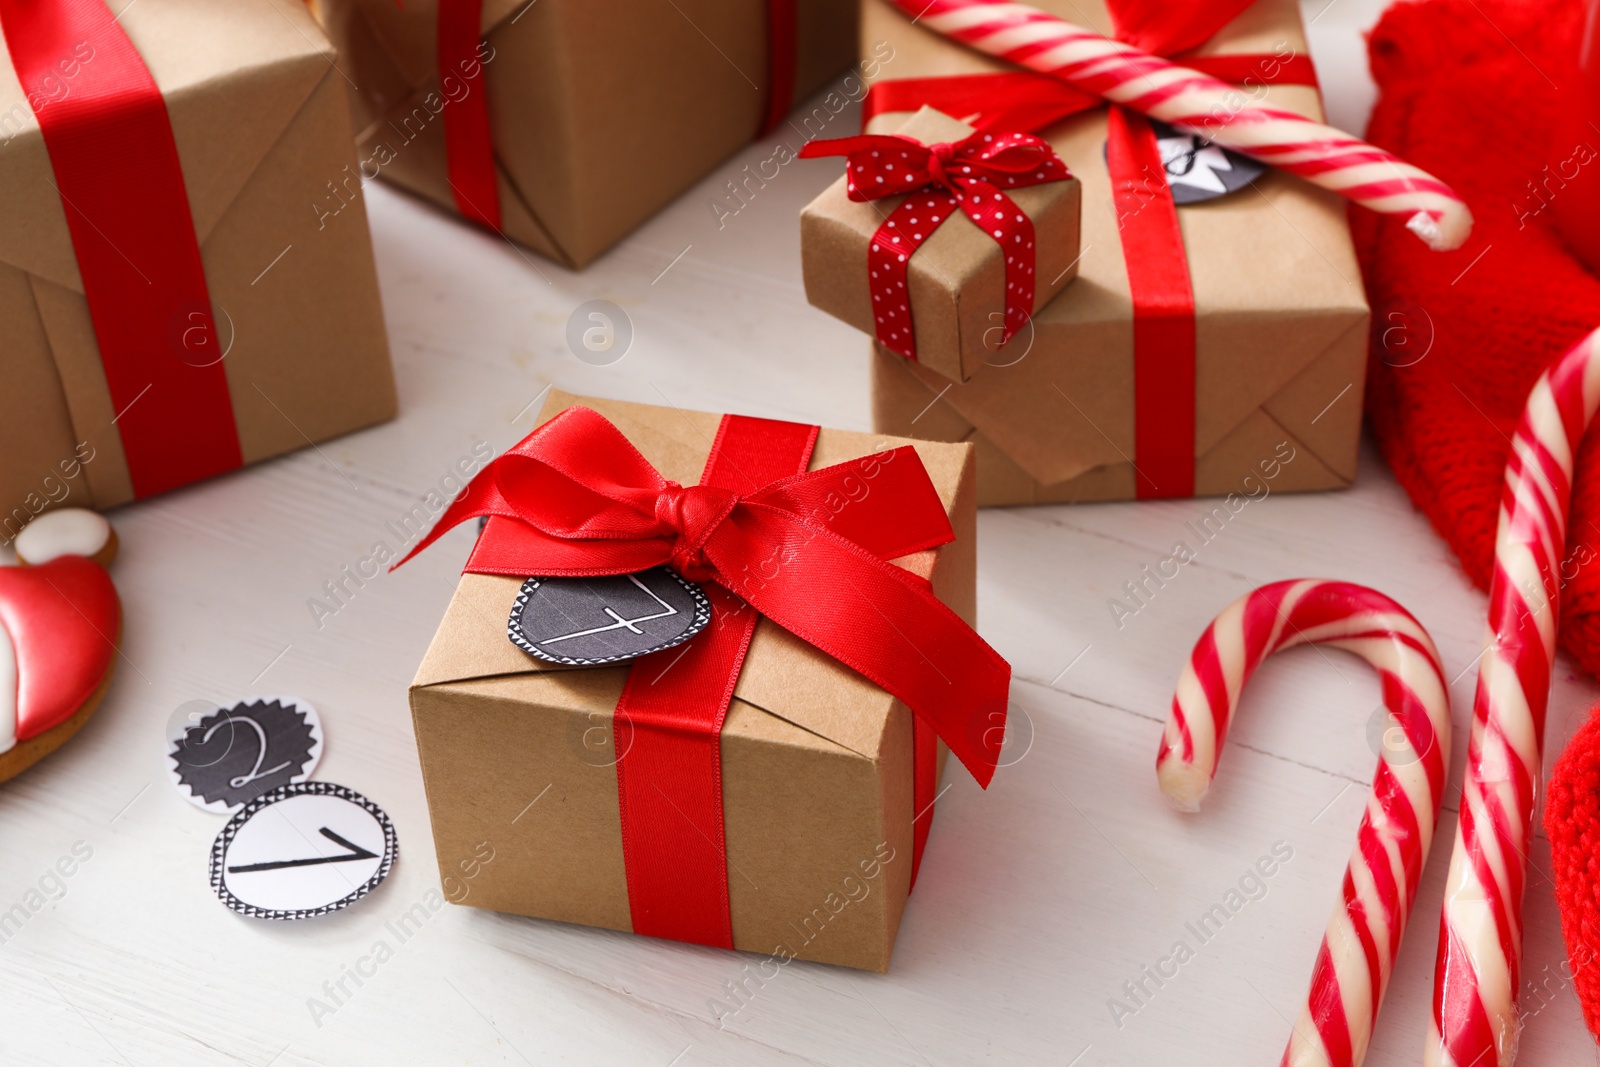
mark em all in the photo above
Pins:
pixel 816 760
pixel 601 111
pixel 1281 319
pixel 957 280
pixel 261 122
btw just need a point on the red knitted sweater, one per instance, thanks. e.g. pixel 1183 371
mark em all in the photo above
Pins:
pixel 1572 819
pixel 1465 91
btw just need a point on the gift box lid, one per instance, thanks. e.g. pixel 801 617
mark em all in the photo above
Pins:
pixel 782 675
pixel 234 76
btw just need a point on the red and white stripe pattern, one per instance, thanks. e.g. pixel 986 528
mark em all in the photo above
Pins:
pixel 1363 936
pixel 1480 936
pixel 1201 104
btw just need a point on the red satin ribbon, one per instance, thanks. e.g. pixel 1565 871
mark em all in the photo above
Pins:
pixel 1163 303
pixel 468 141
pixel 670 782
pixel 941 177
pixel 807 550
pixel 782 58
pixel 116 169
pixel 1152 242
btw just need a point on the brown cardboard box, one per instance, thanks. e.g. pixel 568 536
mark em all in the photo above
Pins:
pixel 956 279
pixel 1281 320
pixel 816 760
pixel 602 111
pixel 262 125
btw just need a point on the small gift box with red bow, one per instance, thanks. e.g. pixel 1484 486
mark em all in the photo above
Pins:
pixel 188 282
pixel 941 241
pixel 564 124
pixel 1215 340
pixel 699 675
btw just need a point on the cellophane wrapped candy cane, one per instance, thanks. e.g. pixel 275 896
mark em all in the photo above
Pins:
pixel 1363 936
pixel 1201 104
pixel 1480 934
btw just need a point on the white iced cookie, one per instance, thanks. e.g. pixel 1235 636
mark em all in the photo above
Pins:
pixel 67 532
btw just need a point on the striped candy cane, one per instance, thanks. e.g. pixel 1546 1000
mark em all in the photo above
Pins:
pixel 1480 936
pixel 1201 104
pixel 1380 883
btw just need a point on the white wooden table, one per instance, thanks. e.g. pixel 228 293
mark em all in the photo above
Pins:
pixel 1037 901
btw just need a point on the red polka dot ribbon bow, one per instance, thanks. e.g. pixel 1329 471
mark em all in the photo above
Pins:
pixel 939 177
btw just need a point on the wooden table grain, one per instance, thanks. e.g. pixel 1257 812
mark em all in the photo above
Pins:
pixel 1045 907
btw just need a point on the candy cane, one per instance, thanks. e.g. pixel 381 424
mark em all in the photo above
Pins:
pixel 1480 935
pixel 1380 883
pixel 1201 104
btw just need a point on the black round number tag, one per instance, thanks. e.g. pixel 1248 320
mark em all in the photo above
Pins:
pixel 1198 170
pixel 301 851
pixel 223 757
pixel 590 621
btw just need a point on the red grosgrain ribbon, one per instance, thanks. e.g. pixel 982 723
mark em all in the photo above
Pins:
pixel 575 498
pixel 1147 220
pixel 468 142
pixel 939 178
pixel 116 168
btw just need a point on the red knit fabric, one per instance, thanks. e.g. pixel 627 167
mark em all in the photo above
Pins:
pixel 1572 820
pixel 1465 91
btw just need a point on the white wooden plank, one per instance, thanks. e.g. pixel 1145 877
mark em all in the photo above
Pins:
pixel 1038 899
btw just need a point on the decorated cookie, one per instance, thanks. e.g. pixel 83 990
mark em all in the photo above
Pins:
pixel 67 532
pixel 60 621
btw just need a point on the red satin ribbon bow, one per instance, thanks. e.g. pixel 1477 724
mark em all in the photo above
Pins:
pixel 809 551
pixel 968 173
pixel 1147 219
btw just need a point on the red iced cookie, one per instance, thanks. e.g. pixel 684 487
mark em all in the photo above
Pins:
pixel 60 621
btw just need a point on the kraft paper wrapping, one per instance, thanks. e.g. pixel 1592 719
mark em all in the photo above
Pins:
pixel 263 131
pixel 602 111
pixel 956 279
pixel 816 760
pixel 1281 318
